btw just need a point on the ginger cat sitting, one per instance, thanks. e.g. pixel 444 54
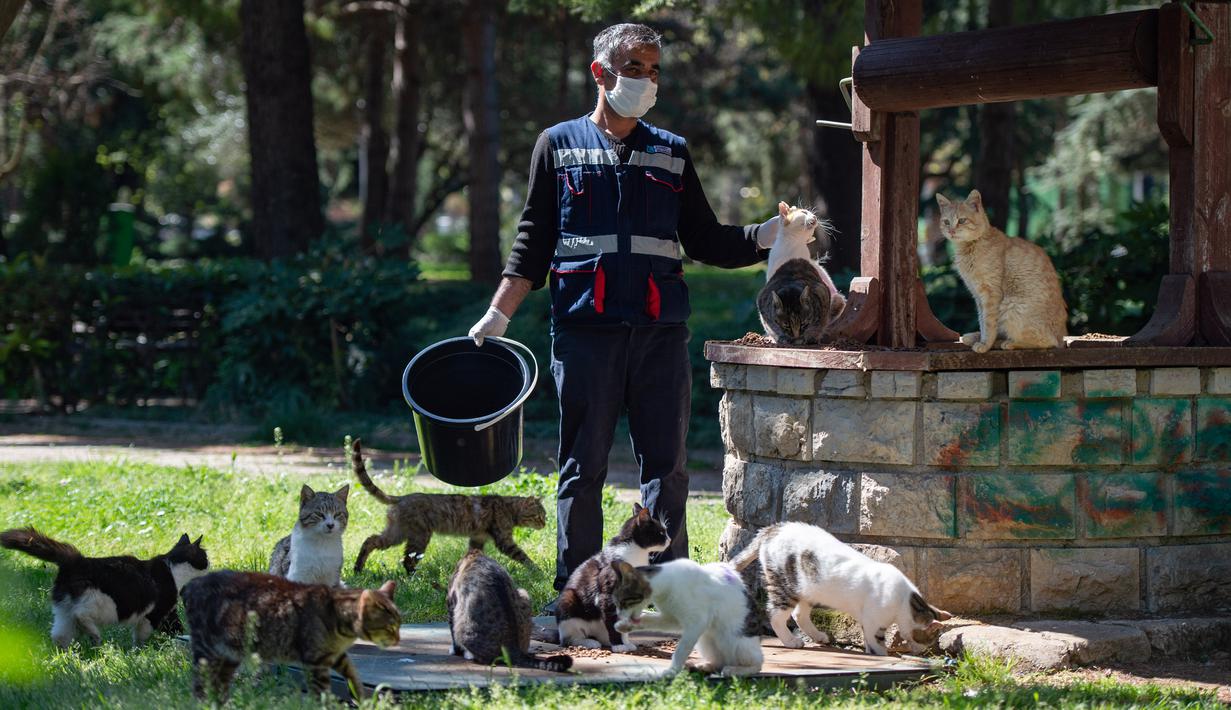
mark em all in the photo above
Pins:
pixel 1013 281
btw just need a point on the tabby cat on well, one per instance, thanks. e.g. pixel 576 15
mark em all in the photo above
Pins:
pixel 1013 281
pixel 803 566
pixel 91 592
pixel 799 298
pixel 414 518
pixel 231 614
pixel 489 616
pixel 312 553
pixel 586 609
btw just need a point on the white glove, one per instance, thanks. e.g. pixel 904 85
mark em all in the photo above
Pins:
pixel 492 323
pixel 768 233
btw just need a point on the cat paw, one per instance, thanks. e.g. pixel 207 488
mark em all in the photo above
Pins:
pixel 981 347
pixel 585 643
pixel 820 637
pixel 792 642
pixel 624 626
pixel 624 648
pixel 969 339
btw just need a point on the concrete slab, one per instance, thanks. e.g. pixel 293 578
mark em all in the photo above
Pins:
pixel 421 662
pixel 1031 651
pixel 1091 643
pixel 1183 637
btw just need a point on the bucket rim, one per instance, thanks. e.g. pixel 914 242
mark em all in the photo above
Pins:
pixel 529 379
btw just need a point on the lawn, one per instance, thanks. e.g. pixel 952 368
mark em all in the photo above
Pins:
pixel 112 507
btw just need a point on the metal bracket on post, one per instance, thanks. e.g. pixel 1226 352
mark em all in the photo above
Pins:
pixel 844 86
pixel 1198 40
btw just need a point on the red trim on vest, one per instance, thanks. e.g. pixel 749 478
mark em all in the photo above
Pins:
pixel 669 185
pixel 600 289
pixel 653 300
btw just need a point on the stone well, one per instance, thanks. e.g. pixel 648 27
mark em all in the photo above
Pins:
pixel 1091 480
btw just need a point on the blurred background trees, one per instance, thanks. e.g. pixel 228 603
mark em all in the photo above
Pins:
pixel 383 145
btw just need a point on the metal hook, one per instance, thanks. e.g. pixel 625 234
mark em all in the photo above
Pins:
pixel 1195 41
pixel 844 86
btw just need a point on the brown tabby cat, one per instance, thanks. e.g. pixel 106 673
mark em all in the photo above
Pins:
pixel 414 518
pixel 1013 281
pixel 489 616
pixel 231 614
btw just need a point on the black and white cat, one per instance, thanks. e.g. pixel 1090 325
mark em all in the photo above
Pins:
pixel 799 298
pixel 92 592
pixel 708 605
pixel 804 566
pixel 586 609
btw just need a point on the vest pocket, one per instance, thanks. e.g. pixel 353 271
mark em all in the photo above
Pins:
pixel 578 290
pixel 662 201
pixel 666 298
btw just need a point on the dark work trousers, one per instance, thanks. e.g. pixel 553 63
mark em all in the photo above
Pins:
pixel 601 371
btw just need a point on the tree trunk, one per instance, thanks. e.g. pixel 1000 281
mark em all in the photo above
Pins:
pixel 406 147
pixel 994 175
pixel 835 166
pixel 482 120
pixel 374 180
pixel 9 9
pixel 565 60
pixel 286 207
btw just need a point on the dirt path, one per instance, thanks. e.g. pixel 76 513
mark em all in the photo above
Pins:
pixel 35 438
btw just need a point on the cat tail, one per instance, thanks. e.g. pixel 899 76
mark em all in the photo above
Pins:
pixel 748 555
pixel 361 472
pixel 33 542
pixel 559 663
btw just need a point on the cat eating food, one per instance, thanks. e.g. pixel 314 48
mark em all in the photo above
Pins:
pixel 804 566
pixel 1014 284
pixel 489 616
pixel 799 298
pixel 91 592
pixel 231 614
pixel 414 518
pixel 586 609
pixel 312 553
pixel 709 606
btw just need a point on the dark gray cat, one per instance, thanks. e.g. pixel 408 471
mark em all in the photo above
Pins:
pixel 795 304
pixel 489 616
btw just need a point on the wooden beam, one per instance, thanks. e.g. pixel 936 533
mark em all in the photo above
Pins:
pixel 865 125
pixel 1175 317
pixel 1081 56
pixel 928 325
pixel 1211 227
pixel 860 318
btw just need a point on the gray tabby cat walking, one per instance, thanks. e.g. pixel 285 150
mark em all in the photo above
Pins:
pixel 231 614
pixel 312 553
pixel 489 616
pixel 414 518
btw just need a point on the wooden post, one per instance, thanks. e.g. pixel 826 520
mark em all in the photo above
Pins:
pixel 1212 171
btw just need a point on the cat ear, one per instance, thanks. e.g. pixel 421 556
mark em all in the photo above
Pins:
pixel 975 200
pixel 637 508
pixel 305 494
pixel 943 201
pixel 941 614
pixel 783 208
pixel 621 568
pixel 183 540
pixel 198 541
pixel 342 492
pixel 777 300
pixel 387 588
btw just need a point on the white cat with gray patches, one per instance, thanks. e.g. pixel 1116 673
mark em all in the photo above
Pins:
pixel 312 553
pixel 804 566
pixel 708 605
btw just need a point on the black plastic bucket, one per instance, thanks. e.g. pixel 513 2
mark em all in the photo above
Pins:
pixel 467 403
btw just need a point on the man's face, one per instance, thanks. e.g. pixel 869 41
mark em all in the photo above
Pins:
pixel 641 62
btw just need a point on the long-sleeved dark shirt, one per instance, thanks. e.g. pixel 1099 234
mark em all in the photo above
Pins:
pixel 701 236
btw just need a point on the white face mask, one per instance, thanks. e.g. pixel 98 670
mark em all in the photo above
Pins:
pixel 631 98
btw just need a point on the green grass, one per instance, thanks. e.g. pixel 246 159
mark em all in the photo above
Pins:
pixel 119 507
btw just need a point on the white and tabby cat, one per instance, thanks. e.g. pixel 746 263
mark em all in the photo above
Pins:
pixel 1013 281
pixel 803 566
pixel 709 606
pixel 312 553
pixel 799 298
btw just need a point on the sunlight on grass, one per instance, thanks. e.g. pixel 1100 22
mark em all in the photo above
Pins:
pixel 120 507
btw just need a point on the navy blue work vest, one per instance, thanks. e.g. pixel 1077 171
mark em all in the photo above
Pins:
pixel 617 258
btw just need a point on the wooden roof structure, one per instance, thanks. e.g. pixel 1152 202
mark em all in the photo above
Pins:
pixel 897 73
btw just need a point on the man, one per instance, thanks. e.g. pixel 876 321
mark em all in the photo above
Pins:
pixel 610 203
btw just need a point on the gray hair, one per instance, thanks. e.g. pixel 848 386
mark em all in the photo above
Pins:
pixel 622 38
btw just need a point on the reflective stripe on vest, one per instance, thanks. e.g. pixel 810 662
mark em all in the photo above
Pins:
pixel 657 160
pixel 566 157
pixel 578 247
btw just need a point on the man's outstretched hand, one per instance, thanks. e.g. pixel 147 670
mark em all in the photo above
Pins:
pixel 492 323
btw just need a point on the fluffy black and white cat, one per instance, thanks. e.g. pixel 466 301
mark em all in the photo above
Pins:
pixel 804 566
pixel 92 592
pixel 586 610
pixel 708 605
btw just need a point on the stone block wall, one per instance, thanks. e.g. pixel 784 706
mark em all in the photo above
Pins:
pixel 1100 490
